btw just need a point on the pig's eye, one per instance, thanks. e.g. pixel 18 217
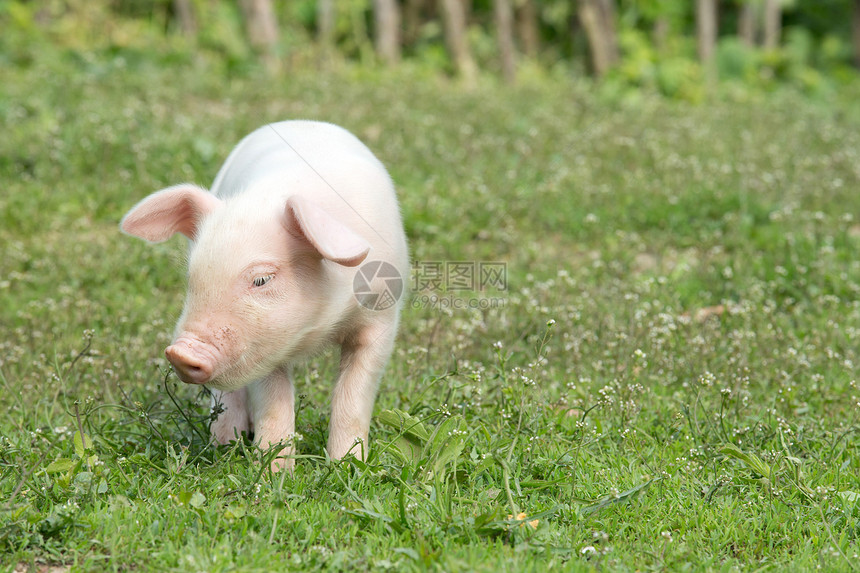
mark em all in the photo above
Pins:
pixel 260 281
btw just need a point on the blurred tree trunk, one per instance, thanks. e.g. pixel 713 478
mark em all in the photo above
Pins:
pixel 185 14
pixel 413 15
pixel 706 28
pixel 855 32
pixel 598 21
pixel 262 27
pixel 527 27
pixel 387 30
pixel 772 23
pixel 325 22
pixel 325 31
pixel 454 22
pixel 661 32
pixel 747 23
pixel 504 17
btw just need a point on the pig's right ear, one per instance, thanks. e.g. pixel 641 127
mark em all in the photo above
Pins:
pixel 327 236
pixel 177 209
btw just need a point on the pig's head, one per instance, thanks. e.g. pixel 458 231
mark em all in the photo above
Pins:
pixel 256 286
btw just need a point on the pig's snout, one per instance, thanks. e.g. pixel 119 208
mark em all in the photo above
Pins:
pixel 191 360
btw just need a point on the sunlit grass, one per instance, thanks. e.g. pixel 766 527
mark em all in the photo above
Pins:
pixel 670 380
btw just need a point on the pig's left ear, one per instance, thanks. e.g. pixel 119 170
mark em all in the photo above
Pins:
pixel 177 209
pixel 328 236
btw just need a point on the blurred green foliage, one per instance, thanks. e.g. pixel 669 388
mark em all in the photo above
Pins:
pixel 656 38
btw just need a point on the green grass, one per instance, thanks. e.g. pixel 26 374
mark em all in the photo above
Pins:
pixel 669 384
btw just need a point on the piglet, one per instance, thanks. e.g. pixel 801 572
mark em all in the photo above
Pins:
pixel 298 245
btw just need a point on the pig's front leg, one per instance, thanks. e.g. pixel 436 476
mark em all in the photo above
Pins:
pixel 273 411
pixel 362 361
pixel 233 420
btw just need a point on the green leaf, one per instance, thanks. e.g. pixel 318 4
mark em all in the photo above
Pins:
pixel 197 500
pixel 82 482
pixel 234 512
pixel 408 425
pixel 60 465
pixel 82 443
pixel 752 461
pixel 408 551
pixel 608 500
pixel 852 499
pixel 446 443
pixel 407 450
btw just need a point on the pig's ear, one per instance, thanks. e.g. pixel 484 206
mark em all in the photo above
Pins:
pixel 329 237
pixel 177 209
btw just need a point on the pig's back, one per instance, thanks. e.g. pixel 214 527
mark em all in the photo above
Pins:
pixel 295 147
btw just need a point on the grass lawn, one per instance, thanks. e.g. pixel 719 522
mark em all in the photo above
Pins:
pixel 666 379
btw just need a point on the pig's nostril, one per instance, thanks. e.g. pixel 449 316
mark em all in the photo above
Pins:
pixel 190 368
pixel 194 369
